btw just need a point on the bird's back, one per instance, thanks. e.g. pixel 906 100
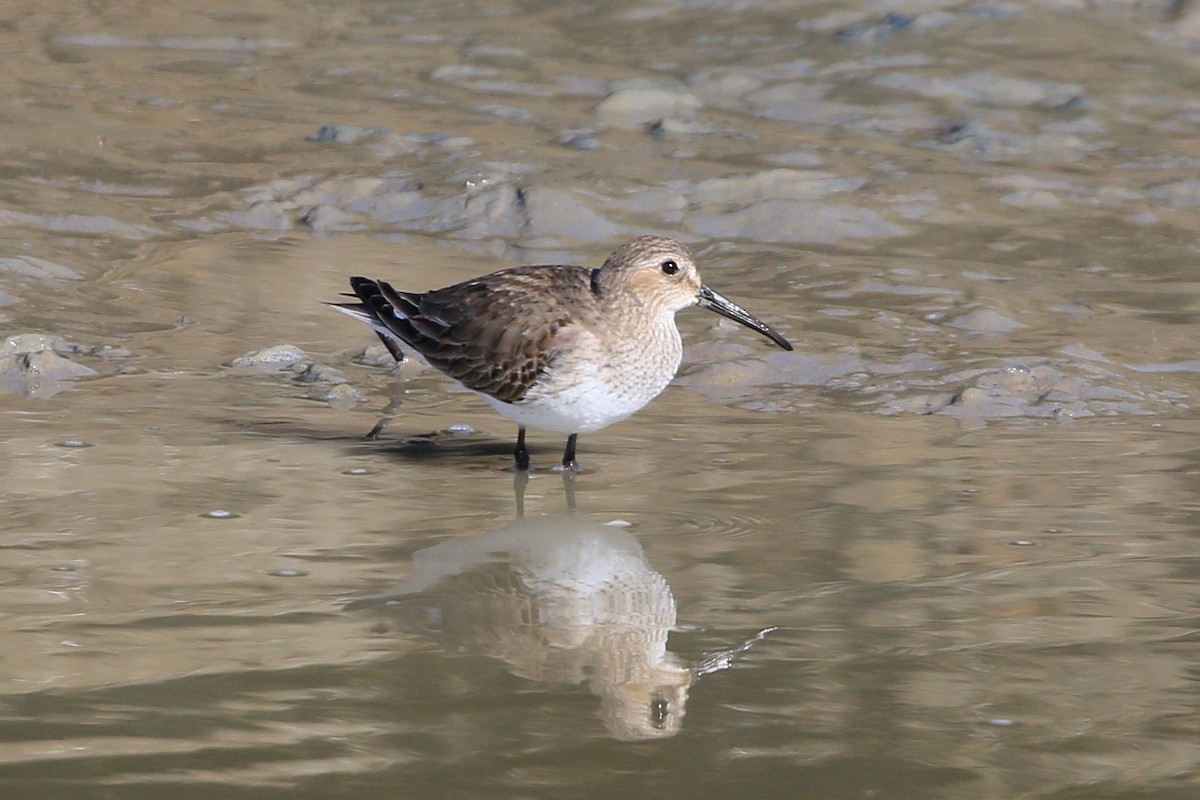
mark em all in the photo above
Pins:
pixel 495 334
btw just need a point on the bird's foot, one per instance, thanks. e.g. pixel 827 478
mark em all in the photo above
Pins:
pixel 377 431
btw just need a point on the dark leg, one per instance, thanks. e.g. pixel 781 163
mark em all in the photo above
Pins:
pixel 521 455
pixel 569 463
pixel 397 354
pixel 392 347
pixel 377 431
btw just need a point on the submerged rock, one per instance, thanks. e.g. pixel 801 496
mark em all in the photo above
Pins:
pixel 985 320
pixel 30 366
pixel 325 383
pixel 631 108
pixel 274 358
pixel 1052 388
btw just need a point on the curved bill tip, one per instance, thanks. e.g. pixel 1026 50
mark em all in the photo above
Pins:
pixel 727 308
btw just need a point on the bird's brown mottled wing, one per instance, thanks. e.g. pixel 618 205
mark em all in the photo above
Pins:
pixel 495 334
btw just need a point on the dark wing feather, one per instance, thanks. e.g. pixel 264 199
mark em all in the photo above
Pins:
pixel 495 334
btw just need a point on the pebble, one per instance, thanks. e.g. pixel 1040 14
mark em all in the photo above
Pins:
pixel 341 395
pixel 30 343
pixel 631 108
pixel 985 320
pixel 376 355
pixel 41 373
pixel 671 128
pixel 580 140
pixel 276 357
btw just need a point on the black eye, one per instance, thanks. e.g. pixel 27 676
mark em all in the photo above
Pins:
pixel 670 267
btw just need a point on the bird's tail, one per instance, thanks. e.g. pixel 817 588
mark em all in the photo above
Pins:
pixel 367 311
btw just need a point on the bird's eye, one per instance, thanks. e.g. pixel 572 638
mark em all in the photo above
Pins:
pixel 670 267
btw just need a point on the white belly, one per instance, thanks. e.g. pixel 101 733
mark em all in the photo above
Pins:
pixel 583 407
pixel 585 395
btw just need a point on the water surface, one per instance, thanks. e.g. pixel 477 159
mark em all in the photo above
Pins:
pixel 945 549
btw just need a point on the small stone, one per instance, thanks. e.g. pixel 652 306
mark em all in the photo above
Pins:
pixel 52 366
pixel 671 128
pixel 985 320
pixel 376 355
pixel 633 107
pixel 319 373
pixel 342 394
pixel 580 140
pixel 30 343
pixel 344 134
pixel 276 357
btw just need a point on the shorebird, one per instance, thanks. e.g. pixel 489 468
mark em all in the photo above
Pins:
pixel 561 348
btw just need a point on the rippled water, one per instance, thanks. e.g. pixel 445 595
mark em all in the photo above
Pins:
pixel 947 548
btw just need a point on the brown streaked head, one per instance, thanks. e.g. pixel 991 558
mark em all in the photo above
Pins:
pixel 662 273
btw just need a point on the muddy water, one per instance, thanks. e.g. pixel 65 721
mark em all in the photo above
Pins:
pixel 947 548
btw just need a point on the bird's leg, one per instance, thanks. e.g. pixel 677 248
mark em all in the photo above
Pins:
pixel 397 354
pixel 521 455
pixel 569 464
pixel 392 347
pixel 377 431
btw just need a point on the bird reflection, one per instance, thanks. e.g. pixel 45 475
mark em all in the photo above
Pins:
pixel 560 599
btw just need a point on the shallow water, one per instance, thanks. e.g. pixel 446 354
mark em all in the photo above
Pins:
pixel 947 548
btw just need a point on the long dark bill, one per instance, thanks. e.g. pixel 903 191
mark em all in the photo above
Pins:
pixel 727 308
